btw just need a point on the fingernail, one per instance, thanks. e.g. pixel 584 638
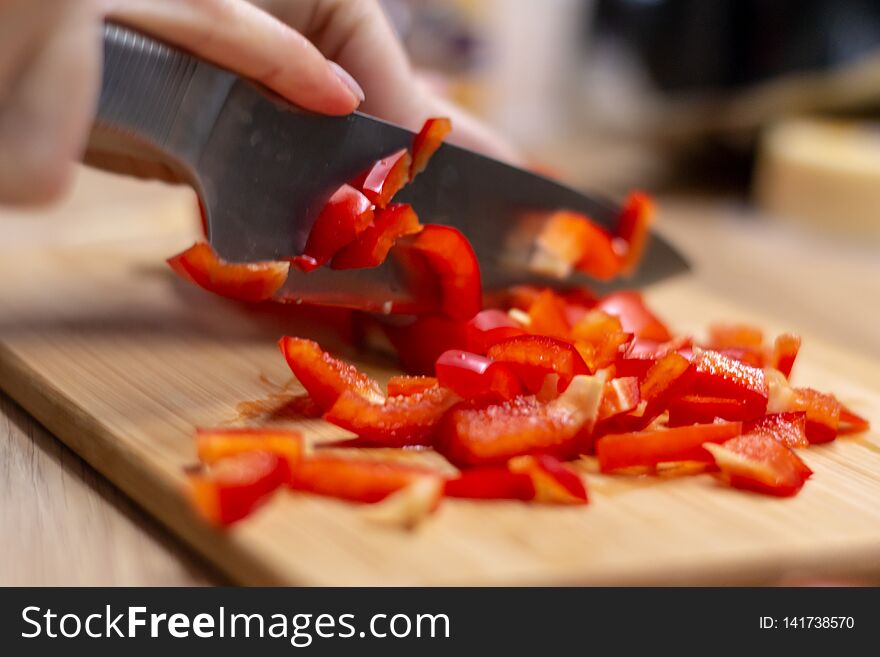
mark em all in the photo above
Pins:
pixel 348 81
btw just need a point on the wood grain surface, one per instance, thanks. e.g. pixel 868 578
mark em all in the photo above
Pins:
pixel 121 361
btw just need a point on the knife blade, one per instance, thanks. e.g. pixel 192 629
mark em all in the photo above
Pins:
pixel 264 168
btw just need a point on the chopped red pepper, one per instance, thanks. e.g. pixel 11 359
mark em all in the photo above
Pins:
pixel 325 377
pixel 371 248
pixel 410 385
pixel 697 409
pixel 564 240
pixel 420 343
pixel 477 378
pixel 554 483
pixel 785 351
pixel 851 422
pixel 386 177
pixel 491 483
pixel 620 395
pixel 533 357
pixel 547 316
pixel 524 425
pixel 823 413
pixel 396 422
pixel 788 428
pixel 346 215
pixel 426 143
pixel 451 258
pixel 489 327
pixel 216 444
pixel 253 281
pixel 736 336
pixel 356 480
pixel 632 228
pixel 629 307
pixel 648 448
pixel 665 379
pixel 759 463
pixel 599 339
pixel 234 486
pixel 716 375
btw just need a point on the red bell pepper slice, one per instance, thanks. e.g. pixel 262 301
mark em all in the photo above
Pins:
pixel 697 409
pixel 396 422
pixel 648 448
pixel 737 336
pixel 371 248
pixel 635 317
pixel 491 483
pixel 236 485
pixel 214 445
pixel 533 357
pixel 476 378
pixel 410 385
pixel 788 428
pixel 641 354
pixel 717 375
pixel 386 177
pixel 547 316
pixel 426 143
pixel 346 215
pixel 665 378
pixel 823 414
pixel 325 377
pixel 759 463
pixel 421 342
pixel 564 240
pixel 632 228
pixel 489 327
pixel 553 481
pixel 851 422
pixel 785 351
pixel 620 395
pixel 494 434
pixel 451 262
pixel 253 281
pixel 355 480
pixel 599 339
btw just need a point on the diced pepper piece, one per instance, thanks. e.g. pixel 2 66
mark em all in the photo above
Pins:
pixel 426 143
pixel 216 444
pixel 410 385
pixel 641 354
pixel 564 240
pixel 371 248
pixel 420 343
pixel 698 409
pixel 325 377
pixel 396 422
pixel 491 483
pixel 448 255
pixel 785 351
pixel 635 317
pixel 600 254
pixel 665 378
pixel 253 281
pixel 851 422
pixel 494 434
pixel 553 481
pixel 648 448
pixel 533 357
pixel 620 395
pixel 759 463
pixel 547 316
pixel 599 339
pixel 737 336
pixel 823 414
pixel 356 480
pixel 716 375
pixel 386 177
pixel 488 327
pixel 477 378
pixel 632 228
pixel 788 428
pixel 234 486
pixel 346 215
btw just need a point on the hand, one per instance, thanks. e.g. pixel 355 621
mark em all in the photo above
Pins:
pixel 50 71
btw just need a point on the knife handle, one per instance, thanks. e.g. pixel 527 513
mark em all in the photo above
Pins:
pixel 156 108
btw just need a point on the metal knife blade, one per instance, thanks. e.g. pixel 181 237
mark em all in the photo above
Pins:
pixel 264 169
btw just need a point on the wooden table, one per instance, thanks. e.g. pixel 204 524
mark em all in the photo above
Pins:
pixel 65 524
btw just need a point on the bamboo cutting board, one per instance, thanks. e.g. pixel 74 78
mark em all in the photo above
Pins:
pixel 121 361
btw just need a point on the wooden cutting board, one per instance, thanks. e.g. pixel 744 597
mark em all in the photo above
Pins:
pixel 121 361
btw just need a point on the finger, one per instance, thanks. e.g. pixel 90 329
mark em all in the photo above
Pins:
pixel 44 122
pixel 23 27
pixel 242 37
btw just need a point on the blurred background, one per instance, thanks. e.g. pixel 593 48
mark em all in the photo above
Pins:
pixel 770 100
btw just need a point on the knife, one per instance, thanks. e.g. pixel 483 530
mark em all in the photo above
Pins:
pixel 264 168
